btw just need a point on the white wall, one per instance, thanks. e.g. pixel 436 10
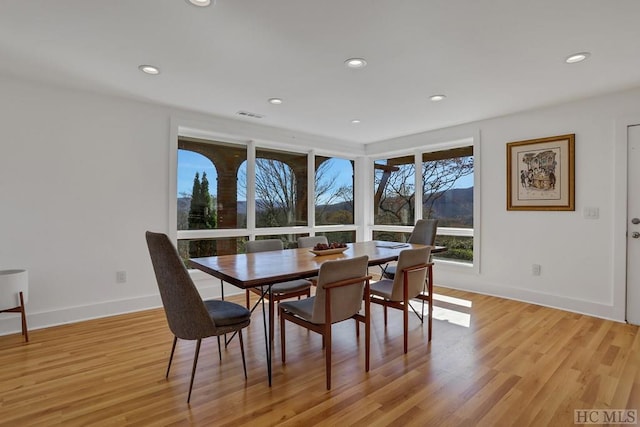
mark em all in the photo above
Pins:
pixel 83 175
pixel 576 254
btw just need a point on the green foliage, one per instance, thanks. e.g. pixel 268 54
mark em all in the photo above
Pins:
pixel 202 213
pixel 458 248
pixel 202 216
pixel 339 236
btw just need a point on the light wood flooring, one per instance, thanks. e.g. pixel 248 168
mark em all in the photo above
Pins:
pixel 492 362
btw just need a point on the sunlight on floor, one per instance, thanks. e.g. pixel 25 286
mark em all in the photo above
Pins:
pixel 452 300
pixel 449 309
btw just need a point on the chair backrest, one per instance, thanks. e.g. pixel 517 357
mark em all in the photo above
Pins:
pixel 345 301
pixel 187 315
pixel 424 232
pixel 264 245
pixel 410 258
pixel 311 241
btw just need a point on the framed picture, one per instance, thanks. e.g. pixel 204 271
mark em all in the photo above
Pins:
pixel 541 174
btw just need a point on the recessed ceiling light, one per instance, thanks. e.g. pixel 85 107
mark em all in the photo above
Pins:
pixel 275 101
pixel 149 69
pixel 355 121
pixel 355 63
pixel 200 3
pixel 577 57
pixel 436 98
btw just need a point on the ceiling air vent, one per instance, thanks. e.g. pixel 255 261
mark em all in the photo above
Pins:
pixel 252 115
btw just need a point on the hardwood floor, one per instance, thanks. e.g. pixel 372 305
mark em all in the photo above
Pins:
pixel 494 362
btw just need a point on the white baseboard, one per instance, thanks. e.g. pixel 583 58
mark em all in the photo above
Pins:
pixel 10 322
pixel 573 305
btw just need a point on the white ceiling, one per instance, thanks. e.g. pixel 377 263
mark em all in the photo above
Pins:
pixel 490 57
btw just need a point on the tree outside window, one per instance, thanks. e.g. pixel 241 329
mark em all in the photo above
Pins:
pixel 334 191
pixel 394 186
pixel 447 195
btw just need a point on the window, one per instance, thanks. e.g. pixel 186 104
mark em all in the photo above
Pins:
pixel 281 188
pixel 447 189
pixel 339 236
pixel 218 211
pixel 194 248
pixel 333 191
pixel 209 196
pixel 391 236
pixel 394 191
pixel 447 185
pixel 289 241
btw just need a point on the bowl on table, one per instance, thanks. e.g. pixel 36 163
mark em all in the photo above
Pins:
pixel 326 249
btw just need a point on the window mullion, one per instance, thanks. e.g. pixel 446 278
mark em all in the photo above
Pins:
pixel 311 191
pixel 418 186
pixel 251 189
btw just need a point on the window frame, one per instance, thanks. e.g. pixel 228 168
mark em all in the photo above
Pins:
pixel 417 152
pixel 251 231
pixel 363 185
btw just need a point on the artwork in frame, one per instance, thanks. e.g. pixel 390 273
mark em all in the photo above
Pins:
pixel 541 174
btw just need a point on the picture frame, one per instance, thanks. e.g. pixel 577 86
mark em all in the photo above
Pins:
pixel 541 174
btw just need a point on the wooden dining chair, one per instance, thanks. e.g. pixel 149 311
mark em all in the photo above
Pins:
pixel 311 241
pixel 408 283
pixel 424 233
pixel 279 291
pixel 339 296
pixel 188 316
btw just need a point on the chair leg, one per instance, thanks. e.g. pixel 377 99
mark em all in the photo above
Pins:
pixel 430 290
pixel 173 349
pixel 25 332
pixel 219 350
pixel 244 363
pixel 327 354
pixel 424 289
pixel 385 315
pixel 405 320
pixel 367 325
pixel 367 342
pixel 193 371
pixel 282 345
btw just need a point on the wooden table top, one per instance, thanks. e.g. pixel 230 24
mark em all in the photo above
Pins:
pixel 267 268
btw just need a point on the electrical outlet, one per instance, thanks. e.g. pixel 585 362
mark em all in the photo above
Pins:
pixel 591 213
pixel 121 276
pixel 535 269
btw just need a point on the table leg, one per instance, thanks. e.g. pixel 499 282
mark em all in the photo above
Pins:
pixel 430 300
pixel 267 336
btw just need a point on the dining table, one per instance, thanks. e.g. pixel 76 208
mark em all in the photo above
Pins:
pixel 264 269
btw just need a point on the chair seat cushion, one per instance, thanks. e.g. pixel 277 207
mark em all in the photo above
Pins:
pixel 383 288
pixel 225 313
pixel 302 308
pixel 291 286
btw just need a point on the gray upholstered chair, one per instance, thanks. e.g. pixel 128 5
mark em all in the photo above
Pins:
pixel 339 296
pixel 408 283
pixel 311 241
pixel 279 291
pixel 424 233
pixel 188 316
